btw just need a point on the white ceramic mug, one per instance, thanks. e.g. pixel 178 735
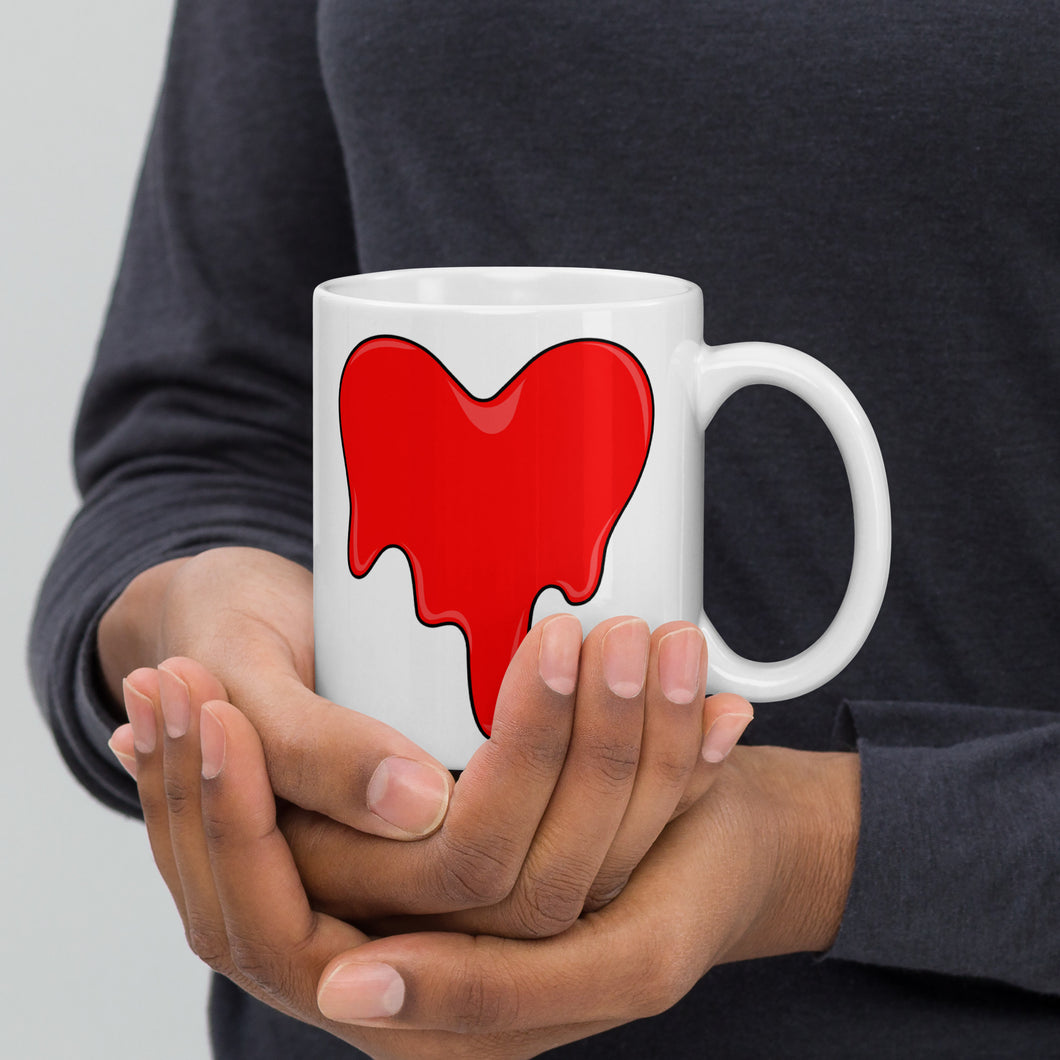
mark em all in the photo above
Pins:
pixel 494 445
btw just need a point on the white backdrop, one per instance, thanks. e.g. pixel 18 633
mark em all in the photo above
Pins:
pixel 93 957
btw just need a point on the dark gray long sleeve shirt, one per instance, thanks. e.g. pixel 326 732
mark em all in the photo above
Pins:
pixel 876 184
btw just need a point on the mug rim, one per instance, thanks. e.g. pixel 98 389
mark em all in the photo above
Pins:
pixel 371 288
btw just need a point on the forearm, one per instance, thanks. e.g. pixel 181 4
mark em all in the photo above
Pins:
pixel 802 809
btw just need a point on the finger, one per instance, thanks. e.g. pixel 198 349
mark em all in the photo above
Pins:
pixel 509 783
pixel 123 746
pixel 200 686
pixel 670 749
pixel 143 694
pixel 725 717
pixel 274 940
pixel 183 687
pixel 497 806
pixel 594 789
pixel 143 708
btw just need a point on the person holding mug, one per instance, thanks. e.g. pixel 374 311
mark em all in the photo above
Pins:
pixel 874 191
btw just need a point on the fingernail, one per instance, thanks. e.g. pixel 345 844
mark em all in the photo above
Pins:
pixel 557 659
pixel 625 657
pixel 680 658
pixel 127 760
pixel 361 992
pixel 723 735
pixel 176 703
pixel 212 744
pixel 141 713
pixel 411 795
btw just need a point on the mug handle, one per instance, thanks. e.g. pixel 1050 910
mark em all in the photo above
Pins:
pixel 719 372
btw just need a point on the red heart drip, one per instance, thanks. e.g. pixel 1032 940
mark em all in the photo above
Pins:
pixel 491 500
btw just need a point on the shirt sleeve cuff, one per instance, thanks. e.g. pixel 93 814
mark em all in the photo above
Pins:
pixel 959 849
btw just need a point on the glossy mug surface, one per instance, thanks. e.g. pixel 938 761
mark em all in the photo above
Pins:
pixel 494 445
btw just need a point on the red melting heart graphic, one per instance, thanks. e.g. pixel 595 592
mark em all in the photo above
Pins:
pixel 491 500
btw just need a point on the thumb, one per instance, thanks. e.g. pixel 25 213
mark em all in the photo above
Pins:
pixel 353 768
pixel 564 987
pixel 327 758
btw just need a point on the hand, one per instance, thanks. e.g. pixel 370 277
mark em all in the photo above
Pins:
pixel 553 813
pixel 247 617
pixel 758 868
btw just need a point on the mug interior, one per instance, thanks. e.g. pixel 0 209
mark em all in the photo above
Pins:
pixel 508 287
